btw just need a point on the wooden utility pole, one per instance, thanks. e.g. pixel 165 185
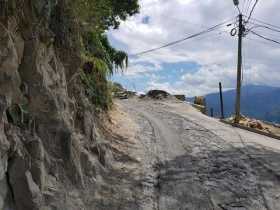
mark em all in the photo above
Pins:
pixel 221 101
pixel 239 69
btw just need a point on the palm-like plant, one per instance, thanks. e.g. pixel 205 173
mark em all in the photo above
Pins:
pixel 98 47
pixel 101 61
pixel 117 60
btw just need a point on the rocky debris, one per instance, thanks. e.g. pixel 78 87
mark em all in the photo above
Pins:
pixel 120 92
pixel 124 94
pixel 255 124
pixel 161 94
pixel 142 96
pixel 158 94
pixel 180 97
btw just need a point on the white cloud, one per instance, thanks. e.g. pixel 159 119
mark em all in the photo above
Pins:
pixel 214 52
pixel 135 70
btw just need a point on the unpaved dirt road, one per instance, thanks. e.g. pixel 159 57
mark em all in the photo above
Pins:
pixel 187 161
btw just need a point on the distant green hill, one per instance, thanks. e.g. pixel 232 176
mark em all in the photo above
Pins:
pixel 260 102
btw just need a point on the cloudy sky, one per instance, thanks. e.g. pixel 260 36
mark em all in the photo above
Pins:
pixel 196 66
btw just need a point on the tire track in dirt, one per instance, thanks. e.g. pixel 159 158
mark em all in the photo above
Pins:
pixel 193 168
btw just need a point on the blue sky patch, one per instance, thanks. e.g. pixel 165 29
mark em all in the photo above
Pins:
pixel 146 20
pixel 168 73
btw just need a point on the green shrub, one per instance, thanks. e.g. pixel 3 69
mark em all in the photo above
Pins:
pixel 103 14
pixel 96 84
pixel 100 59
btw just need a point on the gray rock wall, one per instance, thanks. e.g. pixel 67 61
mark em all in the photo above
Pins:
pixel 49 140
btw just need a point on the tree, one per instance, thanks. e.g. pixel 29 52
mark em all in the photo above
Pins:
pixel 101 60
pixel 103 14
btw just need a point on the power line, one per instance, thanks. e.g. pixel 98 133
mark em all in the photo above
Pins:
pixel 263 22
pixel 252 10
pixel 264 26
pixel 266 38
pixel 238 9
pixel 259 41
pixel 248 6
pixel 182 40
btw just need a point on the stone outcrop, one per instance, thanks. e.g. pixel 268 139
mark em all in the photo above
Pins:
pixel 158 94
pixel 51 150
pixel 180 97
pixel 121 93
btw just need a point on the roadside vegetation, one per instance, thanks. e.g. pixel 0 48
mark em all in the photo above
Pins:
pixel 99 59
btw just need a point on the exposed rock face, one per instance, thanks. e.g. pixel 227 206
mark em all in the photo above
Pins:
pixel 50 147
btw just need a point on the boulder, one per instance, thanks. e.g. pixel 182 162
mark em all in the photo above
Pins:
pixel 256 124
pixel 120 92
pixel 180 97
pixel 158 94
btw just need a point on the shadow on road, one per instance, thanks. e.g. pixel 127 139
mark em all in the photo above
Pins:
pixel 246 178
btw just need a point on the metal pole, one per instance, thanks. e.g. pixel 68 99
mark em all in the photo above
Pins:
pixel 239 66
pixel 212 112
pixel 221 101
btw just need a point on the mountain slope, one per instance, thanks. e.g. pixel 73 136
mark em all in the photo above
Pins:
pixel 261 102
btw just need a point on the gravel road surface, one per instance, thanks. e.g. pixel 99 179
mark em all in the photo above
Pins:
pixel 188 161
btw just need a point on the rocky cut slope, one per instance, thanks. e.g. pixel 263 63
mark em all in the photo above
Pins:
pixel 51 150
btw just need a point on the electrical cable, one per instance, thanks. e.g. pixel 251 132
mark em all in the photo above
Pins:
pixel 266 38
pixel 248 6
pixel 239 11
pixel 263 26
pixel 183 39
pixel 259 41
pixel 252 10
pixel 263 22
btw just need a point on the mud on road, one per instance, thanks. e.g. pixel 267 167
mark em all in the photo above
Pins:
pixel 182 162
